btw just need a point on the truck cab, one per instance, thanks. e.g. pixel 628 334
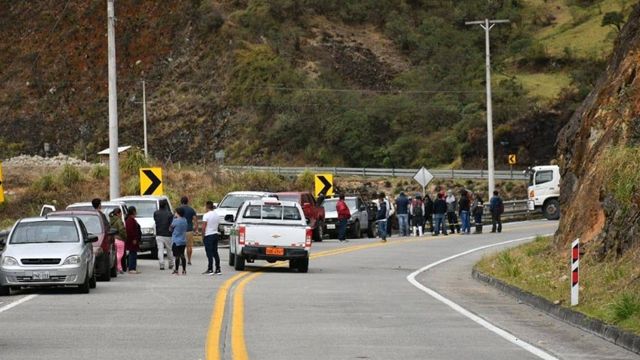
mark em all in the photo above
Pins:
pixel 544 190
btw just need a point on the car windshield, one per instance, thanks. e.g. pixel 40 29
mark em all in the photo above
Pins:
pixel 106 209
pixel 144 208
pixel 330 204
pixel 91 222
pixel 272 212
pixel 233 201
pixel 45 232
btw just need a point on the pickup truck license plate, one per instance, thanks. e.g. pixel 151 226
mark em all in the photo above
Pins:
pixel 40 275
pixel 275 251
pixel 331 226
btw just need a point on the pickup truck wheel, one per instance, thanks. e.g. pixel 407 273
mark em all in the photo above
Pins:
pixel 551 210
pixel 293 264
pixel 105 269
pixel 318 234
pixel 5 291
pixel 303 265
pixel 232 258
pixel 356 230
pixel 239 262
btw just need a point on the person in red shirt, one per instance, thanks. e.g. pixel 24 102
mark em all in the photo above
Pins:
pixel 343 216
pixel 132 245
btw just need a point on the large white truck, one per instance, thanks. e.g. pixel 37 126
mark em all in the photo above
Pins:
pixel 544 190
pixel 271 230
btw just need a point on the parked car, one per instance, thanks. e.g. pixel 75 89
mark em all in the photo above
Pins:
pixel 312 212
pixel 146 205
pixel 272 230
pixel 358 223
pixel 104 249
pixel 107 207
pixel 230 204
pixel 54 251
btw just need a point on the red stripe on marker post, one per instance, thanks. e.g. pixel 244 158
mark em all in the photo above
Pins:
pixel 575 272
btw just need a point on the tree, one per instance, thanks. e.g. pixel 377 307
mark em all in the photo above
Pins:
pixel 613 18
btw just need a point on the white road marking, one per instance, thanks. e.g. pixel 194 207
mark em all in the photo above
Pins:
pixel 18 302
pixel 500 332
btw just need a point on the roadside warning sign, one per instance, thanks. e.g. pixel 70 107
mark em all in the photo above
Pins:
pixel 151 181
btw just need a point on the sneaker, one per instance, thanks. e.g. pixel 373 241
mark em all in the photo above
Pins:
pixel 134 272
pixel 170 266
pixel 161 267
pixel 218 272
pixel 208 272
pixel 184 272
pixel 175 272
pixel 189 263
pixel 120 272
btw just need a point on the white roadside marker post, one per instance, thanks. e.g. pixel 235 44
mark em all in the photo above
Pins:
pixel 575 272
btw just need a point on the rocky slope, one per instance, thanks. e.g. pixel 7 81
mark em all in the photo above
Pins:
pixel 598 152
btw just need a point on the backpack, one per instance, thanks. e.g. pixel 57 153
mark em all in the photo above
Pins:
pixel 417 208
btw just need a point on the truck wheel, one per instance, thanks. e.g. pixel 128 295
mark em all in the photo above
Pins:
pixel 232 258
pixel 105 271
pixel 318 234
pixel 5 291
pixel 239 262
pixel 551 209
pixel 293 264
pixel 303 265
pixel 356 230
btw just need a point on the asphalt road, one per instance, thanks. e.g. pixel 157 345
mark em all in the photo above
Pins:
pixel 356 302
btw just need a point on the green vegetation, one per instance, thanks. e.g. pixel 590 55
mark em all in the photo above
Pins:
pixel 608 289
pixel 622 176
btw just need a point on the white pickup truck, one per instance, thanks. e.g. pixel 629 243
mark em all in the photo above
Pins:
pixel 271 230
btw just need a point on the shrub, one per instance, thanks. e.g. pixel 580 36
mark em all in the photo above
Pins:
pixel 133 162
pixel 625 306
pixel 622 175
pixel 509 265
pixel 99 172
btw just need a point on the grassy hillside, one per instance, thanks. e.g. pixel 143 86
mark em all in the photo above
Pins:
pixel 391 83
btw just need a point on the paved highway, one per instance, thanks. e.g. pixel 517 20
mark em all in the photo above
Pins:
pixel 360 300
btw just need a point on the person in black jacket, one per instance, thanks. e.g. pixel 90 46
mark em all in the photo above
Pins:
pixel 163 218
pixel 463 207
pixel 439 209
pixel 428 212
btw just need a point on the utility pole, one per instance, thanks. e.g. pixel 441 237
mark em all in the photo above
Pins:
pixel 144 120
pixel 487 25
pixel 114 167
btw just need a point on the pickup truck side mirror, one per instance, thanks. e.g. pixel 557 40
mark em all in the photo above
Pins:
pixel 228 218
pixel 215 205
pixel 92 238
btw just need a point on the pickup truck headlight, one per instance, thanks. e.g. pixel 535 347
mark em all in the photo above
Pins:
pixel 148 231
pixel 72 260
pixel 9 261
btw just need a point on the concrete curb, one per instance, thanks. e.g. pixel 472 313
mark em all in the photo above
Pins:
pixel 597 327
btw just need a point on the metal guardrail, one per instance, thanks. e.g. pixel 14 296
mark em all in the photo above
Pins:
pixel 382 172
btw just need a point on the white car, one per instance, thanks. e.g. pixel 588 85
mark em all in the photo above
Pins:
pixel 145 206
pixel 55 251
pixel 271 230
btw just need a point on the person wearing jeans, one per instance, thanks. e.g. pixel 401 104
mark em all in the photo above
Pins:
pixel 439 209
pixel 381 217
pixel 343 216
pixel 210 222
pixel 464 206
pixel 402 210
pixel 163 218
pixel 179 239
pixel 134 234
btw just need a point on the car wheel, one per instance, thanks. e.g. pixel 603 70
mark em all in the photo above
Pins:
pixel 154 253
pixel 232 259
pixel 114 268
pixel 92 281
pixel 84 288
pixel 5 291
pixel 293 264
pixel 239 262
pixel 551 210
pixel 318 233
pixel 303 265
pixel 356 230
pixel 105 271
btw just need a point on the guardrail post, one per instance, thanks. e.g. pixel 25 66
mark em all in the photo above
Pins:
pixel 364 172
pixel 452 174
pixel 393 172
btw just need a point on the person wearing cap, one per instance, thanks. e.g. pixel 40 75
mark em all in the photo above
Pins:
pixel 192 223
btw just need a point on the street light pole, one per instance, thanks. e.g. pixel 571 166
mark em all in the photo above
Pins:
pixel 144 119
pixel 487 25
pixel 114 167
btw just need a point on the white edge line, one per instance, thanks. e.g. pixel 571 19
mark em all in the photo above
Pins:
pixel 18 302
pixel 500 332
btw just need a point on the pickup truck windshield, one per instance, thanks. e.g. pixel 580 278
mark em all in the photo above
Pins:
pixel 272 212
pixel 330 204
pixel 45 232
pixel 144 208
pixel 234 201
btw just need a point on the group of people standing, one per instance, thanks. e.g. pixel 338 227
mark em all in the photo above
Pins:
pixel 445 211
pixel 174 234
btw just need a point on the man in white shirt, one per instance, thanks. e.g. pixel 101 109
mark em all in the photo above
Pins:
pixel 210 222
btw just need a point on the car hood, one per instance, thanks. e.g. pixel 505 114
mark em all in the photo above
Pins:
pixel 331 215
pixel 43 250
pixel 146 222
